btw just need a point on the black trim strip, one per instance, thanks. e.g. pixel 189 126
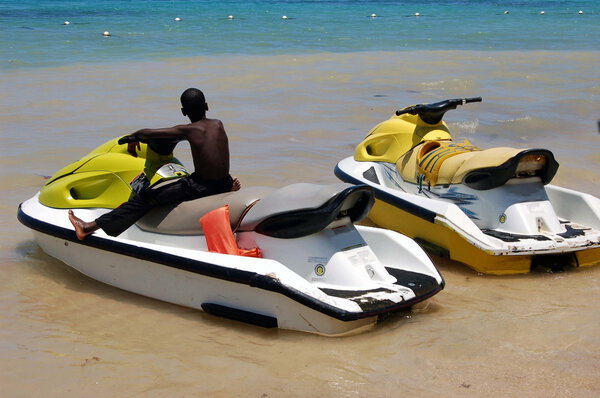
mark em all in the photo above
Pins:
pixel 240 315
pixel 510 237
pixel 402 204
pixel 208 269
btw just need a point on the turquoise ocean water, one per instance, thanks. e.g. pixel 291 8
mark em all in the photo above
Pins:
pixel 33 33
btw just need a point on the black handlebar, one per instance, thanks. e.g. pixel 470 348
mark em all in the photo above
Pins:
pixel 127 139
pixel 433 113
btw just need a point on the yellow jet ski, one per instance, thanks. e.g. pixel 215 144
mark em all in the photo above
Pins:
pixel 492 209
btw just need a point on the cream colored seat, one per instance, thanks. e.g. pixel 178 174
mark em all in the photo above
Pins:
pixel 183 218
pixel 446 162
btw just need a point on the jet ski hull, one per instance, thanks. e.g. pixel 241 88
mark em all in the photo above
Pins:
pixel 260 291
pixel 444 229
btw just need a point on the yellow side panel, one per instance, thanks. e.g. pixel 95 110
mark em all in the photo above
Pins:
pixel 388 216
pixel 88 189
pixel 586 258
pixel 102 177
pixel 99 179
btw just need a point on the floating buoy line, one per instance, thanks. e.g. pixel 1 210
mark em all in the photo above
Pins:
pixel 285 17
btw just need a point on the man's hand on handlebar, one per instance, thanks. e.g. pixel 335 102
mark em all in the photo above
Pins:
pixel 132 144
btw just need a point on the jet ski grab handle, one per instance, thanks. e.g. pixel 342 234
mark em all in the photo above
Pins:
pixel 433 113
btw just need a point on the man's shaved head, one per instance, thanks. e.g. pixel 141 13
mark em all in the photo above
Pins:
pixel 193 102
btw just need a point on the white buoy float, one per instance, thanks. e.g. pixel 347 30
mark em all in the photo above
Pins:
pixel 177 19
pixel 373 15
pixel 284 17
pixel 542 12
pixel 417 14
pixel 580 12
pixel 106 33
pixel 229 16
pixel 505 12
pixel 66 23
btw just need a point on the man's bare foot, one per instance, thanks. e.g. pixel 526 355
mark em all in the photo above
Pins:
pixel 236 184
pixel 82 228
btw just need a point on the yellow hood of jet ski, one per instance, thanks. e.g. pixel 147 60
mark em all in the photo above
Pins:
pixel 101 179
pixel 392 138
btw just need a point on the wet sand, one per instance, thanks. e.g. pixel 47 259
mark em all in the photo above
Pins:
pixel 290 119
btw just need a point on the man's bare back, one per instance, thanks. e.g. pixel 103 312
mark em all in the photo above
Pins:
pixel 208 143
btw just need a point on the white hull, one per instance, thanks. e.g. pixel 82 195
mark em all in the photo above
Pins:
pixel 545 220
pixel 263 291
pixel 190 289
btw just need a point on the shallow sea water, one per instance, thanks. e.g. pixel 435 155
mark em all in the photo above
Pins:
pixel 290 118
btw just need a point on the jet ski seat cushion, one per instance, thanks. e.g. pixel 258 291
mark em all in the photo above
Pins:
pixel 302 209
pixel 183 218
pixel 427 158
pixel 444 162
pixel 454 169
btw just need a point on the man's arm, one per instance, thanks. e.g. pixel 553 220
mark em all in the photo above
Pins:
pixel 175 133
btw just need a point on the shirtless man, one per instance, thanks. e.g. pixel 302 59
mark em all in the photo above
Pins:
pixel 210 153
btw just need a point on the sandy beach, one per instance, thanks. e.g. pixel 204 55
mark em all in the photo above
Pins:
pixel 291 118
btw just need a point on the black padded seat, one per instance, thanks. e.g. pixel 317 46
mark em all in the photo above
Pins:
pixel 527 163
pixel 302 209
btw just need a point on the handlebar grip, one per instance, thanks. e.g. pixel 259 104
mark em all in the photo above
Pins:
pixel 411 109
pixel 473 99
pixel 127 139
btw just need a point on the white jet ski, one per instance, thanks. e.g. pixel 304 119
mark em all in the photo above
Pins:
pixel 494 210
pixel 318 272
